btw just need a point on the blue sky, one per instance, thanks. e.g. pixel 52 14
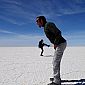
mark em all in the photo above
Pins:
pixel 18 26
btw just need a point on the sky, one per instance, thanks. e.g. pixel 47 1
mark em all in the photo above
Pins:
pixel 18 21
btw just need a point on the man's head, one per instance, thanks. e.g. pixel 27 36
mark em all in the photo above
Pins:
pixel 41 20
pixel 41 40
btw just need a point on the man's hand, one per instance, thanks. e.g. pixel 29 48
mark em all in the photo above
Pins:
pixel 55 46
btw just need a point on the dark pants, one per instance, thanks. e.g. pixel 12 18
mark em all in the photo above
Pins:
pixel 41 51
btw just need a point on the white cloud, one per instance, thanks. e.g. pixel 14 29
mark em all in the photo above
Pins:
pixel 20 13
pixel 14 13
pixel 22 40
pixel 17 36
pixel 12 2
pixel 75 39
pixel 7 32
pixel 11 20
pixel 28 11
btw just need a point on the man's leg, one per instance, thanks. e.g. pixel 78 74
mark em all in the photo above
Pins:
pixel 56 62
pixel 42 51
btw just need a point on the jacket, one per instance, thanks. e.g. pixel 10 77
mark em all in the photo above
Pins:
pixel 53 33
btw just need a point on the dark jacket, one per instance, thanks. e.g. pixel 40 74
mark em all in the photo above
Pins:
pixel 53 33
pixel 41 44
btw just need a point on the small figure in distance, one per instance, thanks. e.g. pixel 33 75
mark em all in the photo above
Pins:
pixel 41 45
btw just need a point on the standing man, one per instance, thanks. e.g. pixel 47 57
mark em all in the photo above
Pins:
pixel 55 37
pixel 41 45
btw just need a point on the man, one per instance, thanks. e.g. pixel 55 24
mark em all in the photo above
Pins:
pixel 55 37
pixel 41 45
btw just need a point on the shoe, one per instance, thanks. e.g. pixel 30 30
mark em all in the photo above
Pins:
pixel 41 55
pixel 52 83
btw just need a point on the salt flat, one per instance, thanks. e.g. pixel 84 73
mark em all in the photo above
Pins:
pixel 25 66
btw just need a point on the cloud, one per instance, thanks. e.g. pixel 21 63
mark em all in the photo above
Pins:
pixel 76 39
pixel 23 12
pixel 20 40
pixel 12 21
pixel 73 7
pixel 18 36
pixel 16 39
pixel 7 32
pixel 12 2
pixel 13 12
pixel 29 37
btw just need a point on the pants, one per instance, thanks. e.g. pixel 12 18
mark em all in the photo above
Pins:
pixel 56 62
pixel 42 51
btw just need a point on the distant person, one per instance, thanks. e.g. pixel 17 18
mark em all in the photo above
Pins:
pixel 55 37
pixel 41 45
